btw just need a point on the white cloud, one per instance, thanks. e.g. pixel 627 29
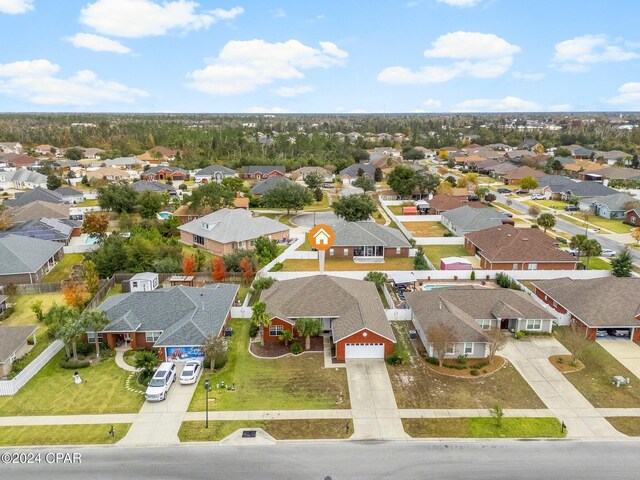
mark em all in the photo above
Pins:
pixel 145 18
pixel 34 81
pixel 267 110
pixel 293 91
pixel 243 66
pixel 97 43
pixel 14 7
pixel 460 3
pixel 278 13
pixel 578 53
pixel 478 55
pixel 431 103
pixel 506 104
pixel 628 95
pixel 528 77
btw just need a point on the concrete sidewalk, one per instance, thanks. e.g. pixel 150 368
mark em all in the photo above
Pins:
pixel 531 358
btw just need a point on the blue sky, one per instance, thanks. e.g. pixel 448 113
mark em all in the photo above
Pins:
pixel 319 56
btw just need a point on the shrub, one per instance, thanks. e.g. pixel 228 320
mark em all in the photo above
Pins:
pixel 433 361
pixel 207 361
pixel 448 234
pixel 455 277
pixel 474 372
pixel 560 360
pixel 462 359
pixel 182 187
pixel 296 348
pixel 220 361
pixel 394 359
pixel 535 225
pixel 253 330
pixel 7 313
pixel 473 275
pixel 83 348
pixel 480 365
pixel 519 334
pixel 455 366
pixel 72 364
pixel 276 267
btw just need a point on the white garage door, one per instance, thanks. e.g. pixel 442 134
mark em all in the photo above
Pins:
pixel 364 350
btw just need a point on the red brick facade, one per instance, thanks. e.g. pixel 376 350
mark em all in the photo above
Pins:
pixel 488 265
pixel 285 326
pixel 261 176
pixel 364 336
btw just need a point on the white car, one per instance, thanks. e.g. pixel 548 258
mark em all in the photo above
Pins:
pixel 538 196
pixel 190 372
pixel 161 382
pixel 607 252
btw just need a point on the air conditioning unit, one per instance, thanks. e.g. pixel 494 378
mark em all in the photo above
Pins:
pixel 13 358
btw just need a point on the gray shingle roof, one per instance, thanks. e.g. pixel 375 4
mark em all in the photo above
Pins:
pixel 368 233
pixel 24 175
pixel 37 193
pixel 598 302
pixel 467 219
pixel 264 169
pixel 68 192
pixel 122 161
pixel 352 170
pixel 614 202
pixel 354 303
pixel 148 186
pixel 185 315
pixel 12 338
pixel 226 225
pixel 211 169
pixel 266 185
pixel 24 254
pixel 37 210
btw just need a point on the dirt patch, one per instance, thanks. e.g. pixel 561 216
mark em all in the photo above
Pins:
pixel 564 363
pixel 482 370
pixel 278 349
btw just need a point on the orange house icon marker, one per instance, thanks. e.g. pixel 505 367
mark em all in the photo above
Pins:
pixel 321 237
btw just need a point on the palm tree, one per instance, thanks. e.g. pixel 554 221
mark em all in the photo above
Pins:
pixel 309 327
pixel 546 220
pixel 97 321
pixel 146 361
pixel 69 331
pixel 261 318
pixel 591 248
pixel 286 336
pixel 57 319
pixel 577 242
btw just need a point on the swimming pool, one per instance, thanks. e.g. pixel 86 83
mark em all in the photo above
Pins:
pixel 428 288
pixel 164 215
pixel 91 240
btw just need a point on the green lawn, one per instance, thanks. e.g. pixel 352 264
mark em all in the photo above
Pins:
pixel 189 250
pixel 61 434
pixel 435 252
pixel 63 268
pixel 594 381
pixel 346 264
pixel 483 427
pixel 88 203
pixel 306 246
pixel 596 263
pixel 397 209
pixel 291 383
pixel 552 204
pixel 279 429
pixel 627 425
pixel 615 226
pixel 52 392
pixel 23 314
pixel 425 229
pixel 322 204
pixel 115 290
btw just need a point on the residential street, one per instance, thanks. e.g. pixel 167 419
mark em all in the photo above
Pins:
pixel 491 460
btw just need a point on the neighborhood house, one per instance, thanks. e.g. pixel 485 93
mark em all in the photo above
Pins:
pixel 367 241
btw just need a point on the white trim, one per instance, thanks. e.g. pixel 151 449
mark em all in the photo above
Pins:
pixel 358 331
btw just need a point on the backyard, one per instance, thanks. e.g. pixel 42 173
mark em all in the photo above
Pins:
pixel 62 270
pixel 425 229
pixel 417 386
pixel 435 252
pixel 62 434
pixel 306 429
pixel 291 383
pixel 346 264
pixel 483 427
pixel 594 381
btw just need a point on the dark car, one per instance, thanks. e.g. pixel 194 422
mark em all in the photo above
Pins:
pixel 571 208
pixel 504 190
pixel 521 191
pixel 472 198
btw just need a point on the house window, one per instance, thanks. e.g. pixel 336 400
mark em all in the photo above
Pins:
pixel 331 252
pixel 468 348
pixel 633 220
pixel 134 284
pixel 485 323
pixel 275 330
pixel 398 250
pixel 151 337
pixel 533 266
pixel 534 324
pixel 346 252
pixel 515 266
pixel 198 239
pixel 450 350
pixel 91 338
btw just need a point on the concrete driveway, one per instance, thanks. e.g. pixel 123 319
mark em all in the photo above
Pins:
pixel 625 351
pixel 306 219
pixel 157 423
pixel 373 404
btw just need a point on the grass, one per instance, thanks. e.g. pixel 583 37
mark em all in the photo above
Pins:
pixel 291 383
pixel 190 251
pixel 397 209
pixel 615 226
pixel 306 246
pixel 61 434
pixel 115 290
pixel 425 229
pixel 483 427
pixel 435 252
pixel 52 392
pixel 346 264
pixel 594 381
pixel 552 204
pixel 322 204
pixel 417 386
pixel 23 314
pixel 596 263
pixel 88 203
pixel 279 429
pixel 62 270
pixel 629 426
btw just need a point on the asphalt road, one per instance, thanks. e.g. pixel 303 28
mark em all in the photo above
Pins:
pixel 533 460
pixel 306 219
pixel 571 228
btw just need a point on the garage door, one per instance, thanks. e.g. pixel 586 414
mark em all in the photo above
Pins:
pixel 364 350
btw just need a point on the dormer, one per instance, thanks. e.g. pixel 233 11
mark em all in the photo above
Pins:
pixel 208 226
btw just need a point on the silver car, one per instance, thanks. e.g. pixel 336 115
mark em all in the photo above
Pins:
pixel 190 372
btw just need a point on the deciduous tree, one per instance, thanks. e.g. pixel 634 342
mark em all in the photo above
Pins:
pixel 213 195
pixel 496 340
pixel 218 269
pixel 246 269
pixel 528 183
pixel 215 350
pixel 402 180
pixel 441 338
pixel 290 197
pixel 95 224
pixel 90 276
pixel 75 294
pixel 354 208
pixel 188 265
pixel 118 197
pixel 313 180
pixel 365 182
pixel 149 204
pixel 622 265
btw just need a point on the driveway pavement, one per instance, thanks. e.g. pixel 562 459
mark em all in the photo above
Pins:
pixel 306 219
pixel 531 358
pixel 373 405
pixel 626 352
pixel 157 423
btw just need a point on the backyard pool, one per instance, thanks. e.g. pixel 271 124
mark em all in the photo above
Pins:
pixel 428 288
pixel 91 240
pixel 164 215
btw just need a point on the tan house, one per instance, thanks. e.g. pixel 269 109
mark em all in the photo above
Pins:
pixel 108 173
pixel 14 344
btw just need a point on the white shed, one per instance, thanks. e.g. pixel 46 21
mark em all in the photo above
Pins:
pixel 144 282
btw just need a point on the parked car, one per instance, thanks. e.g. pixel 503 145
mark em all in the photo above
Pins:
pixel 537 196
pixel 571 208
pixel 504 190
pixel 521 191
pixel 601 333
pixel 161 382
pixel 507 214
pixel 621 332
pixel 607 252
pixel 573 251
pixel 190 372
pixel 472 198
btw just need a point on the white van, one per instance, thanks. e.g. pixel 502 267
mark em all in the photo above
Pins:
pixel 161 382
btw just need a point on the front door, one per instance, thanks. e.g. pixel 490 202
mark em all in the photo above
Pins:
pixel 504 324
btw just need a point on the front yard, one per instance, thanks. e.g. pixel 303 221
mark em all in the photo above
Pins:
pixel 435 252
pixel 594 381
pixel 346 264
pixel 627 425
pixel 425 229
pixel 417 386
pixel 307 429
pixel 291 383
pixel 62 270
pixel 62 434
pixel 52 391
pixel 483 427
pixel 596 263
pixel 615 226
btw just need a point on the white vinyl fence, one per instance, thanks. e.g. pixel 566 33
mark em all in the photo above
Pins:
pixel 439 240
pixel 79 248
pixel 241 312
pixel 11 387
pixel 396 314
pixel 418 218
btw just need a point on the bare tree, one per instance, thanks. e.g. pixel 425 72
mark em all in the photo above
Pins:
pixel 215 349
pixel 496 341
pixel 441 338
pixel 575 338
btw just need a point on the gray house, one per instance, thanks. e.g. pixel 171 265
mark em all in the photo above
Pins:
pixel 26 259
pixel 470 311
pixel 351 173
pixel 266 185
pixel 214 173
pixel 610 206
pixel 38 193
pixel 364 241
pixel 14 345
pixel 70 195
pixel 468 219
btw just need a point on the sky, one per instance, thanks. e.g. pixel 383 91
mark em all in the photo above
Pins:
pixel 354 56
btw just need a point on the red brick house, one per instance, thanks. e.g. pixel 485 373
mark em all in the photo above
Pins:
pixel 632 217
pixel 351 312
pixel 367 241
pixel 601 306
pixel 514 177
pixel 443 203
pixel 260 172
pixel 165 173
pixel 508 248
